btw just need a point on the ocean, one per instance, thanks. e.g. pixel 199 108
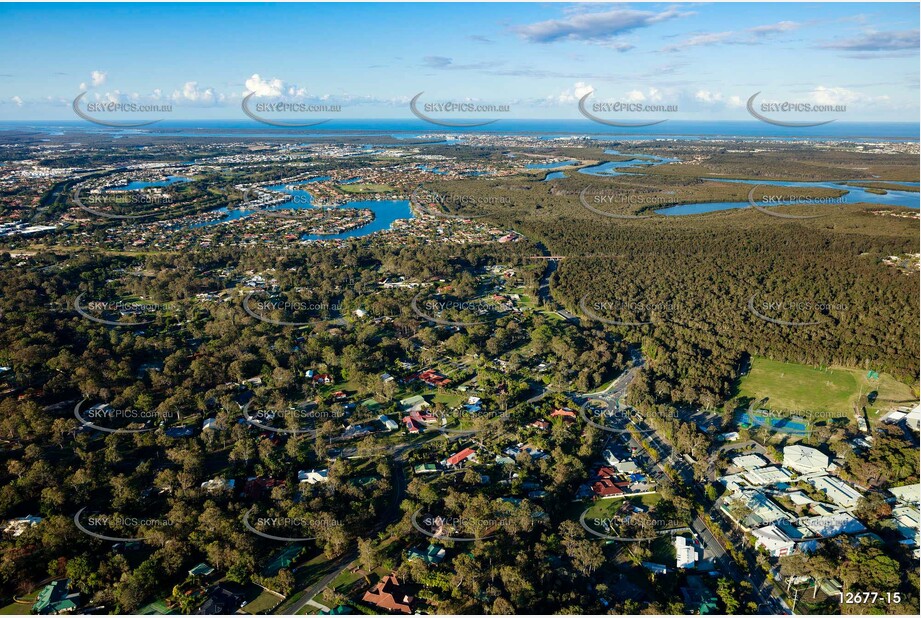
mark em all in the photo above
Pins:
pixel 545 129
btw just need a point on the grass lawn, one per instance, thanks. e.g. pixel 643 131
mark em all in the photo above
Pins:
pixel 365 187
pixel 803 389
pixel 259 601
pixel 602 509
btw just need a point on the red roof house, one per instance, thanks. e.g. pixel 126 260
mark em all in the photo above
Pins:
pixel 606 488
pixel 463 455
pixel 388 594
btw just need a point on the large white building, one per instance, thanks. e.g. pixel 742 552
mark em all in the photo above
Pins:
pixel 685 553
pixel 774 541
pixel 837 491
pixel 804 459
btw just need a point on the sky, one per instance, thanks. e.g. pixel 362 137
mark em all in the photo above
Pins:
pixel 701 61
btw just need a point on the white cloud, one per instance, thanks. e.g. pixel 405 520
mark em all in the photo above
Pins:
pixel 17 100
pixel 579 90
pixel 99 78
pixel 706 96
pixel 822 95
pixel 272 87
pixel 191 93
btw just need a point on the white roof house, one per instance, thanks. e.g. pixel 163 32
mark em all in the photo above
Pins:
pixel 749 462
pixel 774 541
pixel 906 520
pixel 908 494
pixel 767 476
pixel 837 491
pixel 388 422
pixel 804 459
pixel 913 419
pixel 17 526
pixel 685 553
pixel 833 525
pixel 313 476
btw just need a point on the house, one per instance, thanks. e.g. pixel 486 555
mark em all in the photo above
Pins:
pixel 685 553
pixel 905 519
pixel 626 467
pixel 410 425
pixel 609 457
pixel 433 554
pixel 837 491
pixel 433 378
pixel 804 459
pixel 221 601
pixel 210 423
pixel 313 476
pixel 770 475
pixel 828 526
pixel 322 378
pixel 56 598
pixel 606 488
pixel 907 494
pixel 913 418
pixel 762 509
pixel 774 540
pixel 749 462
pixel 18 526
pixel 389 424
pixel 459 457
pixel 389 595
pixel 386 377
pixel 565 413
pixel 426 468
pixel 654 567
pixel 414 403
pixel 540 424
pixel 698 598
pixel 218 484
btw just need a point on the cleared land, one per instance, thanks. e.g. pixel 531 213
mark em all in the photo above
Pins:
pixel 803 389
pixel 365 187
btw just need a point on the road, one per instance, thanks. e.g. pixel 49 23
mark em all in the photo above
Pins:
pixel 391 514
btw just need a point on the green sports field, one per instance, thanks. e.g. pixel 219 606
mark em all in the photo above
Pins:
pixel 801 388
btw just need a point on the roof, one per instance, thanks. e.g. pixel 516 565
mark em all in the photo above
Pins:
pixel 837 490
pixel 804 458
pixel 910 494
pixel 749 462
pixel 433 554
pixel 460 456
pixel 55 598
pixel 389 594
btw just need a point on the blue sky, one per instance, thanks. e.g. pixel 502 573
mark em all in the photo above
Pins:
pixel 538 59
